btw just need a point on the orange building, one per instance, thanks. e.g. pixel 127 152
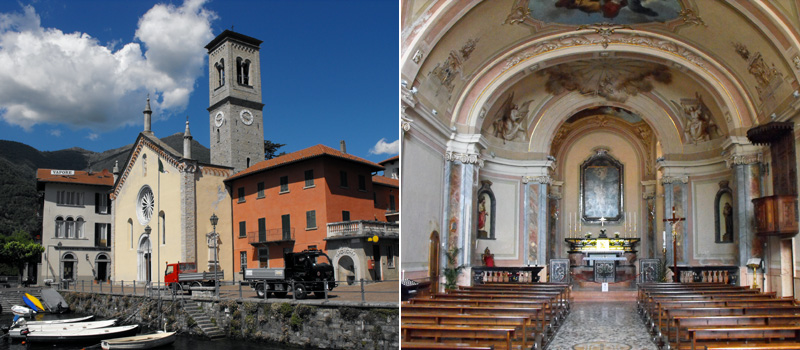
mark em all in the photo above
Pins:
pixel 286 204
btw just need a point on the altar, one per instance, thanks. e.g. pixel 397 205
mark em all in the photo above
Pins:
pixel 602 259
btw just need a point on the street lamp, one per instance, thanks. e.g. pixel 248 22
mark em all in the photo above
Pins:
pixel 214 220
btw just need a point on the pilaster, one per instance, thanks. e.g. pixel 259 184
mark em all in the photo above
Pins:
pixel 676 195
pixel 188 202
pixel 649 249
pixel 745 161
pixel 536 219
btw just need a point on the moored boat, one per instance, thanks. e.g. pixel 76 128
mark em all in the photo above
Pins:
pixel 83 335
pixel 32 302
pixel 65 320
pixel 21 310
pixel 144 341
pixel 19 331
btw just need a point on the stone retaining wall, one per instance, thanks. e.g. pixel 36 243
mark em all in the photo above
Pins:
pixel 307 324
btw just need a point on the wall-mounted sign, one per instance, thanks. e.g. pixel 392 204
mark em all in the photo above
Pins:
pixel 62 172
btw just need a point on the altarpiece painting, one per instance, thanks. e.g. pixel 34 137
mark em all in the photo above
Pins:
pixel 601 188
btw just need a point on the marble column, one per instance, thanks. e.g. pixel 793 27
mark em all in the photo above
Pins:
pixel 461 184
pixel 554 237
pixel 676 195
pixel 536 219
pixel 747 186
pixel 648 248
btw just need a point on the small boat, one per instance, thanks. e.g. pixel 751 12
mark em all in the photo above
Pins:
pixel 19 330
pixel 66 320
pixel 82 335
pixel 32 302
pixel 145 341
pixel 21 310
pixel 53 301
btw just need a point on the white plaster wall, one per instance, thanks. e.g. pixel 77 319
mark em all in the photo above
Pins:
pixel 505 246
pixel 620 149
pixel 422 203
pixel 703 230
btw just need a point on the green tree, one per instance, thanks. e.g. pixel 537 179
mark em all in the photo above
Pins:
pixel 271 149
pixel 18 249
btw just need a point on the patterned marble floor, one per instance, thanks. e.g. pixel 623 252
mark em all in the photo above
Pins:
pixel 602 326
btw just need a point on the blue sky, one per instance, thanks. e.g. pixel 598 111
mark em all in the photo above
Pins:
pixel 76 73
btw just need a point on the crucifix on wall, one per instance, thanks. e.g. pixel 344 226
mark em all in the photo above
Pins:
pixel 674 220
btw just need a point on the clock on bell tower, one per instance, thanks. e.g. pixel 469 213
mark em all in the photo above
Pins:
pixel 235 108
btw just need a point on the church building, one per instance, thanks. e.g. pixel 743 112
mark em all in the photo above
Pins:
pixel 571 134
pixel 164 198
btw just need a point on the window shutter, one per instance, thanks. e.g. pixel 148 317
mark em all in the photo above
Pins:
pixel 311 219
pixel 97 203
pixel 97 234
pixel 108 235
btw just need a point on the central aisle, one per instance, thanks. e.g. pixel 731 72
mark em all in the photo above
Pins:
pixel 603 326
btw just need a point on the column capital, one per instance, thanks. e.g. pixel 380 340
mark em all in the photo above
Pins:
pixel 405 122
pixel 674 179
pixel 739 151
pixel 537 179
pixel 466 158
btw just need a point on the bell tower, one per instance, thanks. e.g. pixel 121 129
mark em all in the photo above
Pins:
pixel 235 108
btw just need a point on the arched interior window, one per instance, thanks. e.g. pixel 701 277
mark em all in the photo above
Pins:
pixel 220 66
pixel 70 225
pixel 242 71
pixel 59 227
pixel 79 227
pixel 68 263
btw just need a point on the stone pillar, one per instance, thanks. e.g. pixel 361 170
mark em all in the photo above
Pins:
pixel 461 184
pixel 676 195
pixel 536 219
pixel 188 202
pixel 747 186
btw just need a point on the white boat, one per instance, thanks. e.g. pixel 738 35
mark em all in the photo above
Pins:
pixel 66 320
pixel 21 310
pixel 82 335
pixel 18 331
pixel 145 341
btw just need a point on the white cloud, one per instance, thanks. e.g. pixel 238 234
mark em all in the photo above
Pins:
pixel 55 132
pixel 385 148
pixel 49 76
pixel 92 136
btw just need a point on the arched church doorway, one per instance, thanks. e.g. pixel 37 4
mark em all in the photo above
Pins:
pixel 346 269
pixel 144 261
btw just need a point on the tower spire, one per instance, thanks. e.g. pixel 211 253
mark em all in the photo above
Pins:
pixel 147 116
pixel 187 141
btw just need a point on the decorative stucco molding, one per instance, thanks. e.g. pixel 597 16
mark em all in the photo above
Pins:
pixel 606 38
pixel 674 179
pixel 537 179
pixel 466 158
pixel 405 123
pixel 689 17
pixel 743 159
pixel 605 30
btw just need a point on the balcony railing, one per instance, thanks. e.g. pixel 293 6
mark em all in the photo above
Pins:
pixel 362 227
pixel 271 235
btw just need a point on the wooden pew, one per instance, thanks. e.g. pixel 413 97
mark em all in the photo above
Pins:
pixel 536 314
pixel 545 322
pixel 686 322
pixel 520 323
pixel 558 303
pixel 498 337
pixel 702 337
pixel 442 346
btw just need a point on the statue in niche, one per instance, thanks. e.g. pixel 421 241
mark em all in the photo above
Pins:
pixel 486 211
pixel 699 127
pixel 724 214
pixel 508 124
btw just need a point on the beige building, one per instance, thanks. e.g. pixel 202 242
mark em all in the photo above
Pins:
pixel 164 199
pixel 76 225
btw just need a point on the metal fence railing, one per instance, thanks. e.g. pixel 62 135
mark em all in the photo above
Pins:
pixel 362 290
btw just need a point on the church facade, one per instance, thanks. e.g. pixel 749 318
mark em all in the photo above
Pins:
pixel 542 126
pixel 164 198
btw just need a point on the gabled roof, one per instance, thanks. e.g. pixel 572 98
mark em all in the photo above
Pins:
pixel 103 178
pixel 301 155
pixel 393 159
pixel 387 181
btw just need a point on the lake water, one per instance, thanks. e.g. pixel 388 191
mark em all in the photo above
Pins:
pixel 183 342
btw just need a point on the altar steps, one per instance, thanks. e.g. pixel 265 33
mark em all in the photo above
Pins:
pixel 584 296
